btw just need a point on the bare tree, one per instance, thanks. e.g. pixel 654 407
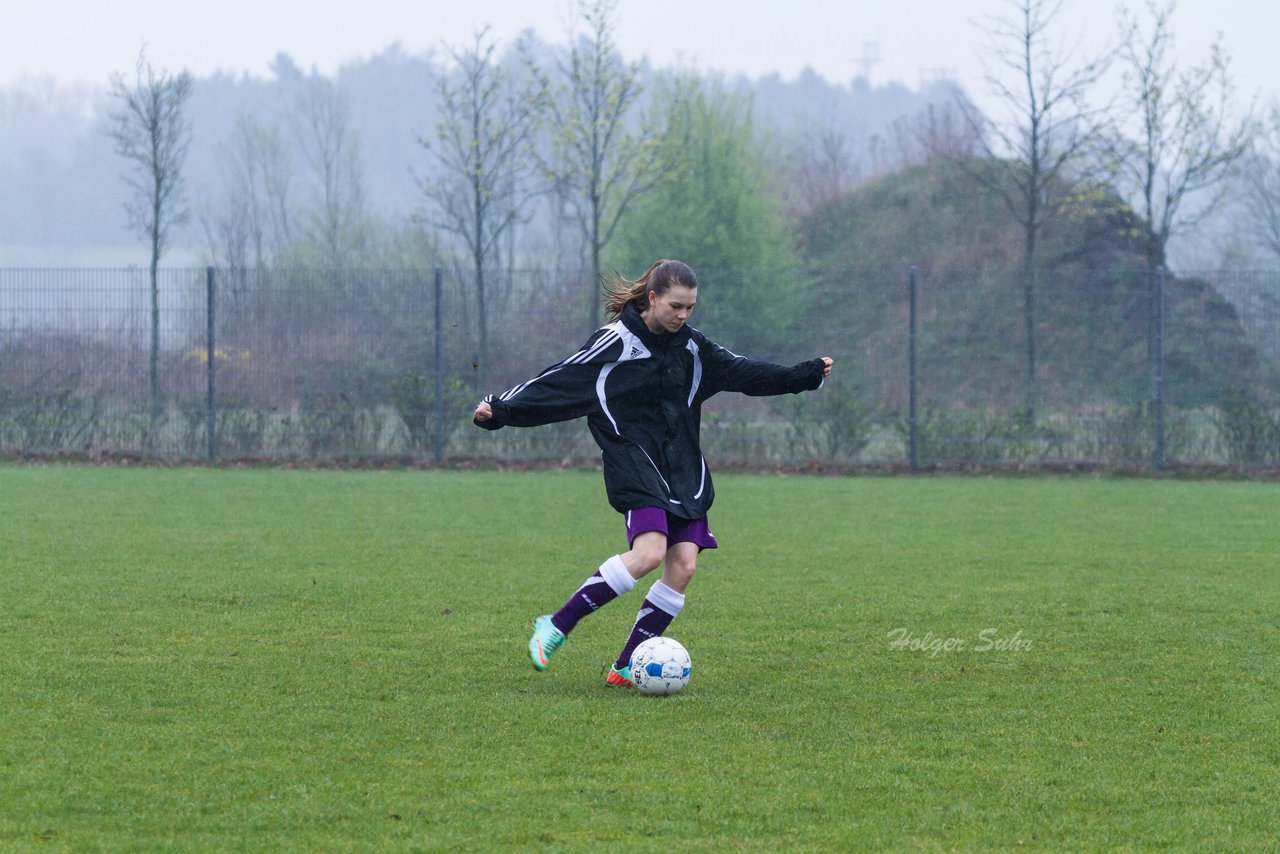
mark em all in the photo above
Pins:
pixel 937 132
pixel 1262 184
pixel 599 165
pixel 1045 133
pixel 483 144
pixel 336 224
pixel 1181 139
pixel 152 132
pixel 251 224
pixel 823 167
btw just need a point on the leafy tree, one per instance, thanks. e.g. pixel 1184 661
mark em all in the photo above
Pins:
pixel 151 130
pixel 712 208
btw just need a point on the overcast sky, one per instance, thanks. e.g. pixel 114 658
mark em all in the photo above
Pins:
pixel 85 40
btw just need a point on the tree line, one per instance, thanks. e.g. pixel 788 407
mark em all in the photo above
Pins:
pixel 581 158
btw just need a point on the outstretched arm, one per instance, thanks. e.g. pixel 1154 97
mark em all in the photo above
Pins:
pixel 563 391
pixel 728 371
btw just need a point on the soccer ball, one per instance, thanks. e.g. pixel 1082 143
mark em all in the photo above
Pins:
pixel 660 666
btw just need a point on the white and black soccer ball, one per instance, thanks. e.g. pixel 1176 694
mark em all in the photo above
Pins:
pixel 660 666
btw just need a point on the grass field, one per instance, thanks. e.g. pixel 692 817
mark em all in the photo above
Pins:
pixel 198 660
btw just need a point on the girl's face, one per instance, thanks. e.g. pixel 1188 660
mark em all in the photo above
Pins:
pixel 670 311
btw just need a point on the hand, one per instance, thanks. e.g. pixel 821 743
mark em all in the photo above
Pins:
pixel 483 412
pixel 827 362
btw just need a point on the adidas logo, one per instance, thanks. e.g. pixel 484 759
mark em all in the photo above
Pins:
pixel 635 351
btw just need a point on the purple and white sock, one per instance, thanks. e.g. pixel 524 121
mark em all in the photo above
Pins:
pixel 609 582
pixel 661 605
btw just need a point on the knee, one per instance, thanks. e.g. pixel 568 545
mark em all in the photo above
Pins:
pixel 679 571
pixel 648 554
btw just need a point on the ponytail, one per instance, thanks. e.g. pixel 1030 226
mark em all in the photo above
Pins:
pixel 659 278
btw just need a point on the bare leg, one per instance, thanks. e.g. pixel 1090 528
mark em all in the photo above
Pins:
pixel 647 551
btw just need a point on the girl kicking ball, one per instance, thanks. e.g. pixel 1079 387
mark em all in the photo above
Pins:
pixel 641 381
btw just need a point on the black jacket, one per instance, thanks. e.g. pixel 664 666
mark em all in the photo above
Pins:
pixel 642 395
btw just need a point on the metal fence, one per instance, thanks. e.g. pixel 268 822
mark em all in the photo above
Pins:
pixel 934 367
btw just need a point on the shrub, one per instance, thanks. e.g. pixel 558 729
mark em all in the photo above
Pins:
pixel 414 397
pixel 833 424
pixel 1249 430
pixel 979 437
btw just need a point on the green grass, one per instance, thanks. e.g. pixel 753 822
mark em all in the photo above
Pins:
pixel 199 660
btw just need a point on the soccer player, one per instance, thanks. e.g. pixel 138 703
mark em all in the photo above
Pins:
pixel 641 381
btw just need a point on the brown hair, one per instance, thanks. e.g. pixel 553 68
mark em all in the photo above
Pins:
pixel 659 278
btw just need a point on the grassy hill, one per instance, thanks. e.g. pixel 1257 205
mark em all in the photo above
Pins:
pixel 1093 315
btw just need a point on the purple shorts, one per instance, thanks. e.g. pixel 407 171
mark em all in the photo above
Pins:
pixel 677 530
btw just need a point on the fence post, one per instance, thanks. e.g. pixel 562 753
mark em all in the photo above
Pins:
pixel 211 404
pixel 912 423
pixel 439 449
pixel 1158 322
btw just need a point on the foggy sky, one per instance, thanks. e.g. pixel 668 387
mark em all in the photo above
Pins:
pixel 86 40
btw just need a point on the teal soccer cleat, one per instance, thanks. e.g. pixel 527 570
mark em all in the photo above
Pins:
pixel 545 641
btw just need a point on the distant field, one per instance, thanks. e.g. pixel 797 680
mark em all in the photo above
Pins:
pixel 260 660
